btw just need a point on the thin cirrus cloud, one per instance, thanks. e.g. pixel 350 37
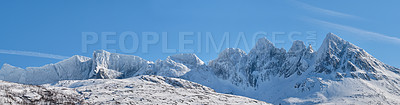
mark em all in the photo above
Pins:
pixel 33 54
pixel 356 31
pixel 325 11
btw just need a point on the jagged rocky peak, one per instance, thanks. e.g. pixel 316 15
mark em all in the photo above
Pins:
pixel 232 54
pixel 186 59
pixel 297 46
pixel 263 44
pixel 332 36
pixel 342 57
pixel 265 48
pixel 333 43
pixel 227 62
pixel 332 54
pixel 298 60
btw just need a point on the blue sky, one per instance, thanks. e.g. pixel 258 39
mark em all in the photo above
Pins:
pixel 34 33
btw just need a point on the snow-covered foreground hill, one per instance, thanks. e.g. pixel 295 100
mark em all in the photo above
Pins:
pixel 338 73
pixel 14 94
pixel 141 90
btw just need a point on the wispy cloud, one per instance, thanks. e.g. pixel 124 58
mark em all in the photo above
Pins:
pixel 33 54
pixel 356 31
pixel 325 11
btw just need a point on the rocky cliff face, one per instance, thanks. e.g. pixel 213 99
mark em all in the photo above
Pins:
pixel 347 60
pixel 263 62
pixel 110 65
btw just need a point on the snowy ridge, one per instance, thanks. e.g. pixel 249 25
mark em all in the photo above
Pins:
pixel 338 73
pixel 110 65
pixel 348 60
pixel 72 68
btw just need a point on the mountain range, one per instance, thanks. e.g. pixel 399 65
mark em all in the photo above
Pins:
pixel 339 72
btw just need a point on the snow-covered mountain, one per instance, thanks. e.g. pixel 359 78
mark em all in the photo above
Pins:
pixel 76 67
pixel 140 90
pixel 339 72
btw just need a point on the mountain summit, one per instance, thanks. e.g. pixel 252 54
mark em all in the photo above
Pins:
pixel 338 73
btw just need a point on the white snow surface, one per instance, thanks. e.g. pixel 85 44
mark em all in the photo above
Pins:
pixel 338 73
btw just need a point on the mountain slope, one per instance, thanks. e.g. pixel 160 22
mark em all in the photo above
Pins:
pixel 148 90
pixel 137 90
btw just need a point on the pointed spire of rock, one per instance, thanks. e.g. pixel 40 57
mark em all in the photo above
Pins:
pixel 310 49
pixel 333 43
pixel 331 35
pixel 335 52
pixel 264 43
pixel 297 46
